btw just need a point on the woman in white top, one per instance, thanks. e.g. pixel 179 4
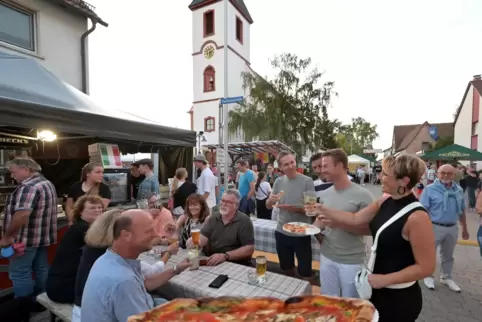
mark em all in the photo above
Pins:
pixel 263 190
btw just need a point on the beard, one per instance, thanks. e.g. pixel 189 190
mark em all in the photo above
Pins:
pixel 223 211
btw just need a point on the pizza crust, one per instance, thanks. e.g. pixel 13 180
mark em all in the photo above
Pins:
pixel 232 307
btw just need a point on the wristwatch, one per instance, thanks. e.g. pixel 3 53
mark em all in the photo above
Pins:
pixel 226 256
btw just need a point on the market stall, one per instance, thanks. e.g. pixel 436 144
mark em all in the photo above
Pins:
pixel 51 121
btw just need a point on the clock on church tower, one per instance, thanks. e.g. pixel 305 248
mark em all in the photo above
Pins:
pixel 208 60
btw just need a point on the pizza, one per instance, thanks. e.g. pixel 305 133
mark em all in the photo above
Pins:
pixel 312 308
pixel 295 228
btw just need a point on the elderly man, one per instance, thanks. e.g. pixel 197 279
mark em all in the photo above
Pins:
pixel 444 201
pixel 229 234
pixel 30 218
pixel 115 288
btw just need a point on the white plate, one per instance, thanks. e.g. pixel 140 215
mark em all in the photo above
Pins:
pixel 376 316
pixel 310 229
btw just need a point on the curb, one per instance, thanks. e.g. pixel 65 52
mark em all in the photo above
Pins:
pixel 468 243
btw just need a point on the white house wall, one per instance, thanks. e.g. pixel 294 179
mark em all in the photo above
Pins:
pixel 244 48
pixel 463 127
pixel 58 40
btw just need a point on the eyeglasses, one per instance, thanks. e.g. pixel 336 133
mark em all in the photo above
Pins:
pixel 229 202
pixel 442 173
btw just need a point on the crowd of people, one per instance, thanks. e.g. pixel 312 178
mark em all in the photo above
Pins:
pixel 96 265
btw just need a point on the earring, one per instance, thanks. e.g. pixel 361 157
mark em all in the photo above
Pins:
pixel 404 190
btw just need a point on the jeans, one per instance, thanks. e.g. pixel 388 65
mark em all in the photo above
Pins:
pixel 34 259
pixel 471 195
pixel 479 239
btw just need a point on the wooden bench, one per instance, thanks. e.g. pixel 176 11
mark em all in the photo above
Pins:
pixel 56 310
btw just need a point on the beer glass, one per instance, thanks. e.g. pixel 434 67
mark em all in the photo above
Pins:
pixel 196 234
pixel 261 267
pixel 310 201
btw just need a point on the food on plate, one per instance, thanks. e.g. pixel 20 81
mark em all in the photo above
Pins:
pixel 313 308
pixel 294 228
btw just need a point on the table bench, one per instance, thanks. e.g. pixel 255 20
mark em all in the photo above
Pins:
pixel 56 310
pixel 194 284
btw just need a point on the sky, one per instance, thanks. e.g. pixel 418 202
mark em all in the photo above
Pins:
pixel 393 62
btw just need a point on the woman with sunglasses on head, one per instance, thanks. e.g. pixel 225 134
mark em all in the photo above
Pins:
pixel 406 246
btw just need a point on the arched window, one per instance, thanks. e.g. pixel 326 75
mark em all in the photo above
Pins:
pixel 209 79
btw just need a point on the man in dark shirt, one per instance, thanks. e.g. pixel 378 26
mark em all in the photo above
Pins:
pixel 135 180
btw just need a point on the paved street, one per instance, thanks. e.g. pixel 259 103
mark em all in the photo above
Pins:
pixel 443 305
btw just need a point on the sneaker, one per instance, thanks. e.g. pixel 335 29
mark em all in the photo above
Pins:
pixel 450 284
pixel 429 283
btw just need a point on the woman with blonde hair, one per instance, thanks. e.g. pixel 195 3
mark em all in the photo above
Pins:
pixel 90 184
pixel 181 190
pixel 405 247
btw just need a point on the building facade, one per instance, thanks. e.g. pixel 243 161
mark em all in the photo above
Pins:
pixel 415 138
pixel 51 32
pixel 466 123
pixel 208 62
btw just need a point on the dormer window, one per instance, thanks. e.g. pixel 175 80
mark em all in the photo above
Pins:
pixel 209 79
pixel 208 29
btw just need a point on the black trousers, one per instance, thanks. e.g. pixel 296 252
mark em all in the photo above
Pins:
pixel 16 310
pixel 398 305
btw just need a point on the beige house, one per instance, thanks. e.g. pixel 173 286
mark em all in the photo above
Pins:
pixel 414 138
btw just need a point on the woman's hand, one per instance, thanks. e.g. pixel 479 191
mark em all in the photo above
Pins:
pixel 182 266
pixel 378 281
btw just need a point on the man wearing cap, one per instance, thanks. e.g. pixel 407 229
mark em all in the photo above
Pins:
pixel 150 184
pixel 206 183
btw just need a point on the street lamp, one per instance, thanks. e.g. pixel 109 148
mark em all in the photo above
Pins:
pixel 200 138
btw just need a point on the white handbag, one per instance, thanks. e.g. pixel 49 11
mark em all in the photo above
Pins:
pixel 361 279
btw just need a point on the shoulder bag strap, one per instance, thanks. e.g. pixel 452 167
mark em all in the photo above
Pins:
pixel 398 215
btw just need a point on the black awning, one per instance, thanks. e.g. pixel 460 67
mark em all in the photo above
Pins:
pixel 32 97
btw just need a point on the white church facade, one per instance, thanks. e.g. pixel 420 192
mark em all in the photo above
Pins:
pixel 208 61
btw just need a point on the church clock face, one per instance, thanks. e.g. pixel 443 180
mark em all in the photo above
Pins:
pixel 209 52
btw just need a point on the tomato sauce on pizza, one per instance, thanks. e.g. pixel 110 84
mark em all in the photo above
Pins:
pixel 312 308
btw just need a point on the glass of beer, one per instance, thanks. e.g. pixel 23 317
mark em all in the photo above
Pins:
pixel 196 234
pixel 310 202
pixel 261 267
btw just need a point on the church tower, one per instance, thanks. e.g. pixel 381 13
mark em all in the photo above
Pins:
pixel 208 60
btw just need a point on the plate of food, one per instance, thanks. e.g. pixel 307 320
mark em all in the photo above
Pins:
pixel 296 309
pixel 301 228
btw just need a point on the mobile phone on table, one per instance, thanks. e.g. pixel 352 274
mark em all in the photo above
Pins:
pixel 219 281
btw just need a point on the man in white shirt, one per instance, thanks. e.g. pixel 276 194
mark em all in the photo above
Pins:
pixel 206 183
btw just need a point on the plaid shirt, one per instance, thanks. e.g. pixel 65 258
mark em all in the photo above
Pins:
pixel 38 195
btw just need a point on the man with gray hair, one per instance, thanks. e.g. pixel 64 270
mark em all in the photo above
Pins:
pixel 227 235
pixel 445 203
pixel 30 218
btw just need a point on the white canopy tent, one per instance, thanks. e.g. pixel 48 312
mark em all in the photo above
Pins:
pixel 354 158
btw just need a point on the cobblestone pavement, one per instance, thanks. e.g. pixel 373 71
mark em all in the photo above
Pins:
pixel 443 305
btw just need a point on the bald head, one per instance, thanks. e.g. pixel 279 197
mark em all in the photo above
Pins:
pixel 446 168
pixel 129 219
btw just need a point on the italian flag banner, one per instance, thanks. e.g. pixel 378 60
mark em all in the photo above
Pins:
pixel 107 154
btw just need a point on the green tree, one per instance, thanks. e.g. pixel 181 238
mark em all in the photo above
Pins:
pixel 357 136
pixel 291 107
pixel 442 142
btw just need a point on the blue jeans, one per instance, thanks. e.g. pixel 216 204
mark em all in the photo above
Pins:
pixel 34 259
pixel 479 239
pixel 471 195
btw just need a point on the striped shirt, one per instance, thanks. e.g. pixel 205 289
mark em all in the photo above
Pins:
pixel 38 195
